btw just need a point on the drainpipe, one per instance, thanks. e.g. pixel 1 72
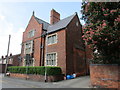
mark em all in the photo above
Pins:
pixel 41 47
pixel 41 50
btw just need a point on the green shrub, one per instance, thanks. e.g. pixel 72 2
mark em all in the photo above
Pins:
pixel 53 70
pixel 50 70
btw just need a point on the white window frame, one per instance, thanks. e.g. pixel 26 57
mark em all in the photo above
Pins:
pixel 51 36
pixel 29 33
pixel 33 63
pixel 24 62
pixel 30 47
pixel 77 24
pixel 11 61
pixel 46 58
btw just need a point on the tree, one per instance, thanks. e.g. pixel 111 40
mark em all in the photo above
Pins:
pixel 102 30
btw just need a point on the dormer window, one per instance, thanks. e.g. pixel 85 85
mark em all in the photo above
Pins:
pixel 31 33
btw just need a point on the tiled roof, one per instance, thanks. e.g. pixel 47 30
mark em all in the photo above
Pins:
pixel 45 24
pixel 57 26
pixel 60 25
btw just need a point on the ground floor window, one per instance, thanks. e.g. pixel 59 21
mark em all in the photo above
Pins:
pixel 51 59
pixel 29 62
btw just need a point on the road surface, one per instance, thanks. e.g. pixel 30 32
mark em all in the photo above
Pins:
pixel 80 82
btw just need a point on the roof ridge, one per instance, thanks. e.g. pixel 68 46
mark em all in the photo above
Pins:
pixel 60 24
pixel 69 16
pixel 40 19
pixel 65 18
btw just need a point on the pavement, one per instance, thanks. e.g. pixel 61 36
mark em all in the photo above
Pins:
pixel 79 82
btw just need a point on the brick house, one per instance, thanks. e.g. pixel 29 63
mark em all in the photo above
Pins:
pixel 56 44
pixel 13 60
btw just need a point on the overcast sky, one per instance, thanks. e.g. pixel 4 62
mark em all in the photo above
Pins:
pixel 14 17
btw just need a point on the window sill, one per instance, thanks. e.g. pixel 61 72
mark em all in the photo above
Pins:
pixel 51 44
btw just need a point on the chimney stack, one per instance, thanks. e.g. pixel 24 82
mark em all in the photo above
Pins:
pixel 54 17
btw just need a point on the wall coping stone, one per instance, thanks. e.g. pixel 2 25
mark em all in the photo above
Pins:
pixel 104 64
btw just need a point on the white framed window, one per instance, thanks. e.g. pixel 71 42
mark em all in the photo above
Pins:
pixel 77 24
pixel 28 47
pixel 24 62
pixel 10 61
pixel 52 39
pixel 51 59
pixel 30 62
pixel 31 33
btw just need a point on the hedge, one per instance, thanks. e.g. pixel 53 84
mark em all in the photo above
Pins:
pixel 51 70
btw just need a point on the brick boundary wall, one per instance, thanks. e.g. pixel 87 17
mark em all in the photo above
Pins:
pixel 37 77
pixel 105 76
pixel 2 67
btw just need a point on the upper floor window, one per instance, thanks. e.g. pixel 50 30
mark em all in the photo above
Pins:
pixel 28 47
pixel 52 39
pixel 77 24
pixel 31 33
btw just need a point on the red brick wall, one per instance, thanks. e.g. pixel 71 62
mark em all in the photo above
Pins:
pixel 43 50
pixel 2 67
pixel 15 75
pixel 37 77
pixel 15 60
pixel 37 55
pixel 79 62
pixel 89 53
pixel 60 48
pixel 75 47
pixel 54 17
pixel 33 24
pixel 106 76
pixel 70 47
pixel 89 56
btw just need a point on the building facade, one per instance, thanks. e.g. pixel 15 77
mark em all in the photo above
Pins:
pixel 56 44
pixel 13 60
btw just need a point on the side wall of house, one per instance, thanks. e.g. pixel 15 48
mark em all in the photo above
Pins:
pixel 75 48
pixel 60 49
pixel 33 24
pixel 89 56
pixel 15 61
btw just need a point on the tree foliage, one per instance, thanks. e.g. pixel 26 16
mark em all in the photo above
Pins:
pixel 102 30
